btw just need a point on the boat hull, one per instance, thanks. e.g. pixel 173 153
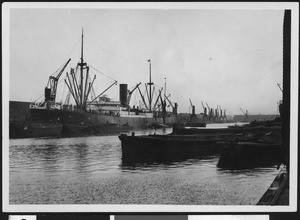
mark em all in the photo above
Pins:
pixel 77 123
pixel 108 129
pixel 241 155
pixel 76 118
pixel 76 130
pixel 33 130
pixel 164 145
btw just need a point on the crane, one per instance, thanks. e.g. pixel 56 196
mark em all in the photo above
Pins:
pixel 129 93
pixel 219 107
pixel 191 103
pixel 193 107
pixel 245 113
pixel 207 106
pixel 216 112
pixel 193 115
pixel 50 90
pixel 203 106
pixel 204 109
pixel 211 112
pixel 222 113
pixel 167 98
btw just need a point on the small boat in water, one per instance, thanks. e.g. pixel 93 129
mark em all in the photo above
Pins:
pixel 240 155
pixel 152 145
pixel 252 150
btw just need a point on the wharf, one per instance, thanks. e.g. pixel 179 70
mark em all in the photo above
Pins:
pixel 278 192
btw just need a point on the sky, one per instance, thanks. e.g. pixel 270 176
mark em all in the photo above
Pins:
pixel 231 58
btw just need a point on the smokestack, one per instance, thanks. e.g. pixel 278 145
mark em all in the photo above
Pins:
pixel 193 110
pixel 123 95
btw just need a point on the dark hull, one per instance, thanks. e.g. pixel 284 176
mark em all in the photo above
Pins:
pixel 241 155
pixel 69 117
pixel 76 123
pixel 35 130
pixel 166 145
pixel 106 129
pixel 93 118
pixel 16 130
pixel 76 130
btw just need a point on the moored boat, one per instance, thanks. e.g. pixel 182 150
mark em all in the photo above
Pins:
pixel 151 145
pixel 240 155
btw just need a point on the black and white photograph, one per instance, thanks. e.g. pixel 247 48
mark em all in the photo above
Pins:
pixel 150 107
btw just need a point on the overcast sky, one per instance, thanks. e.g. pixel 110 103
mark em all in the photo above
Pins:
pixel 231 58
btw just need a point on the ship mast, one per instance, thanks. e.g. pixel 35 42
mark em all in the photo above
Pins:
pixel 150 84
pixel 81 89
pixel 81 71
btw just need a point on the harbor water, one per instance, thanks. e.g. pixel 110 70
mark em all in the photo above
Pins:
pixel 90 170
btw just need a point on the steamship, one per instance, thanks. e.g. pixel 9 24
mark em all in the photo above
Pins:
pixel 98 114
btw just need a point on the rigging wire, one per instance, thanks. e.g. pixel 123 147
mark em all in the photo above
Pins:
pixel 76 43
pixel 101 73
pixel 38 98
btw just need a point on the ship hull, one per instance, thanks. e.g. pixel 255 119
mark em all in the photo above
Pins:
pixel 76 123
pixel 34 130
pixel 163 147
pixel 77 118
pixel 75 130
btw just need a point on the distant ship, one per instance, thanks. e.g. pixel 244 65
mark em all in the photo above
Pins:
pixel 98 114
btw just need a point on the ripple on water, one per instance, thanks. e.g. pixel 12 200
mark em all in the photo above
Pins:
pixel 91 170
